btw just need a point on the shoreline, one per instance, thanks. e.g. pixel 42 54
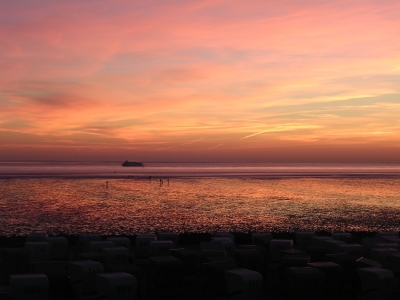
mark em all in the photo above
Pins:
pixel 107 170
pixel 372 176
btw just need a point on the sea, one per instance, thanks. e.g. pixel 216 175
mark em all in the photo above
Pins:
pixel 105 198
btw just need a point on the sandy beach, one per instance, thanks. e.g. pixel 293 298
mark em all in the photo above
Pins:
pixel 286 236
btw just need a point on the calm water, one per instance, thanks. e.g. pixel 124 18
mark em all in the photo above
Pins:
pixel 74 198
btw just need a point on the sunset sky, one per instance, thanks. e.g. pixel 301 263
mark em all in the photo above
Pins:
pixel 183 80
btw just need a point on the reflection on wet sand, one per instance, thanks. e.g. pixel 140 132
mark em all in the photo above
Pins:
pixel 198 205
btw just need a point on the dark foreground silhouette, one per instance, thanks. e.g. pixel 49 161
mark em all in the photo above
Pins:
pixel 165 265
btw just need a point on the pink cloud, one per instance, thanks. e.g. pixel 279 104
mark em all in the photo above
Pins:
pixel 169 72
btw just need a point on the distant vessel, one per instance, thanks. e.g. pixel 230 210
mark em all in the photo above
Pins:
pixel 128 163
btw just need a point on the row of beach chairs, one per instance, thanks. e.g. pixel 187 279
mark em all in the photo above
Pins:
pixel 156 266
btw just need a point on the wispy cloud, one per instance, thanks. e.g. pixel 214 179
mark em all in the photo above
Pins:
pixel 213 147
pixel 191 74
pixel 281 128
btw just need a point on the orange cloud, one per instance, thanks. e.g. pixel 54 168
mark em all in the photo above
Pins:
pixel 235 77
